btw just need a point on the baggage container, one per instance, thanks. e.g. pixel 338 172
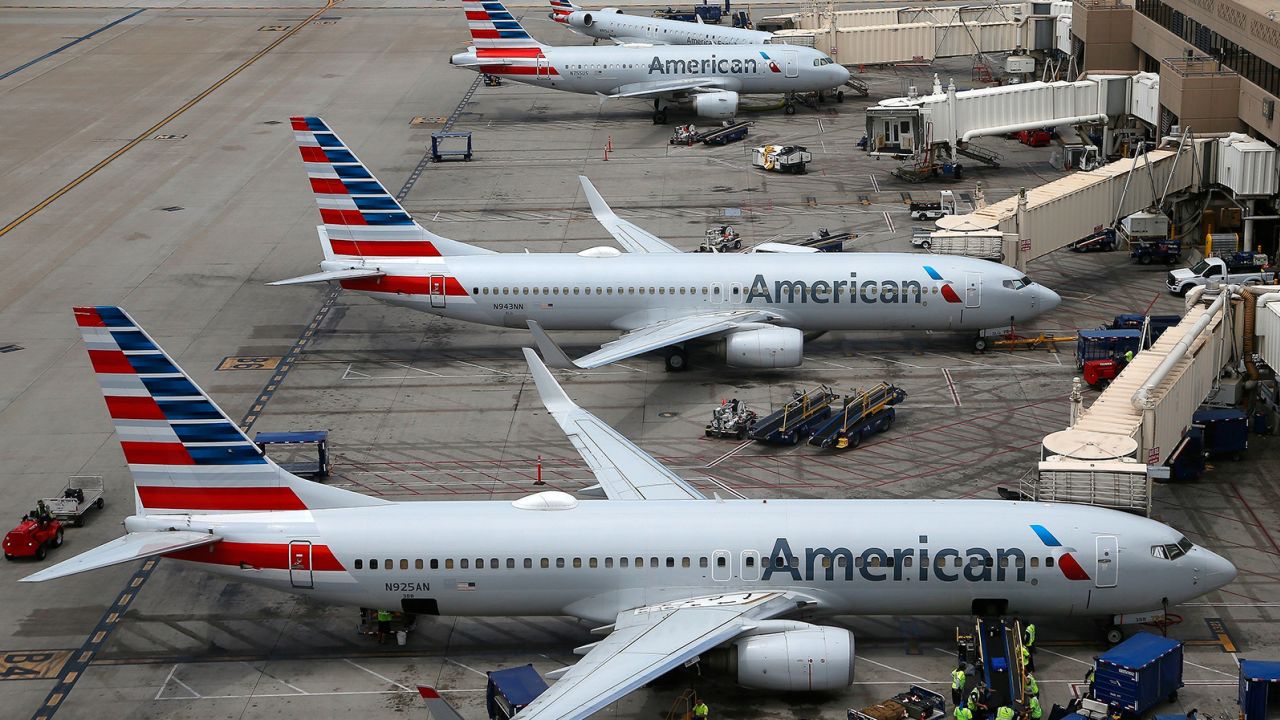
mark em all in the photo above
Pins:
pixel 1139 673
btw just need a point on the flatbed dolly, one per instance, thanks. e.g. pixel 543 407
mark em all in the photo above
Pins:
pixel 81 493
pixel 796 419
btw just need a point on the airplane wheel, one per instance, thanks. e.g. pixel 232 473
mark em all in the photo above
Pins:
pixel 790 109
pixel 980 344
pixel 677 360
pixel 1115 634
pixel 57 539
pixel 660 117
pixel 839 96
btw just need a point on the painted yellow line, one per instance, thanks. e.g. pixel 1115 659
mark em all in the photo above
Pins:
pixel 329 5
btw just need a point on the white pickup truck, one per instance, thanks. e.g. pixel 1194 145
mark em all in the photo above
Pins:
pixel 1216 269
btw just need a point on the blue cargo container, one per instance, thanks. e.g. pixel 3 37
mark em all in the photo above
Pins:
pixel 1226 431
pixel 1259 682
pixel 509 691
pixel 1105 344
pixel 1138 673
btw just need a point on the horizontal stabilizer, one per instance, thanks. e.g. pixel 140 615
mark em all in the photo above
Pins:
pixel 134 546
pixel 437 707
pixel 330 275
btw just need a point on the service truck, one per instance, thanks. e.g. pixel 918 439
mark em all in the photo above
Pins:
pixel 985 244
pixel 1245 268
pixel 946 205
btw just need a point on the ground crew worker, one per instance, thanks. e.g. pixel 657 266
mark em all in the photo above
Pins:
pixel 700 710
pixel 1027 661
pixel 963 713
pixel 1128 356
pixel 1033 688
pixel 384 625
pixel 1029 636
pixel 958 679
pixel 1004 713
pixel 1036 710
pixel 979 701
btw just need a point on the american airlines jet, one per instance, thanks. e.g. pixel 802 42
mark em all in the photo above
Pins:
pixel 710 78
pixel 613 24
pixel 760 305
pixel 667 574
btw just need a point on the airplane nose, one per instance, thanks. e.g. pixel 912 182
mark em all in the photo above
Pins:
pixel 842 74
pixel 1048 298
pixel 1218 571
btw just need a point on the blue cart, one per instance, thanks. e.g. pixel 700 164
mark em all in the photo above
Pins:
pixel 1225 431
pixel 295 442
pixel 1259 685
pixel 439 151
pixel 509 691
pixel 1139 673
pixel 1105 345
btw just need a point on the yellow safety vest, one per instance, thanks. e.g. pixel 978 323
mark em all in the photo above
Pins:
pixel 963 713
pixel 1004 713
pixel 701 710
pixel 1033 687
pixel 957 679
pixel 384 616
pixel 1031 632
pixel 1036 710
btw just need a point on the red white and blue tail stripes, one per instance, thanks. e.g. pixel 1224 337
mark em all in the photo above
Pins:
pixel 493 26
pixel 185 454
pixel 560 10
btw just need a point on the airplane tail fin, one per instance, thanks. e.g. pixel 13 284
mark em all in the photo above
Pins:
pixel 361 219
pixel 185 454
pixel 560 10
pixel 437 707
pixel 493 27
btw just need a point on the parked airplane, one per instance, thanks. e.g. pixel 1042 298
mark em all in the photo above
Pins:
pixel 759 304
pixel 613 24
pixel 741 575
pixel 710 78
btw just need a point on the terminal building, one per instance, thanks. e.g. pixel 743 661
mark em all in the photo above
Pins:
pixel 1218 60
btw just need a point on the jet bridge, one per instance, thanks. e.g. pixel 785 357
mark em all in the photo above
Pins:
pixel 948 119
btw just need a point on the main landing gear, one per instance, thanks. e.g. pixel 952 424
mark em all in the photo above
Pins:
pixel 677 359
pixel 789 106
pixel 659 112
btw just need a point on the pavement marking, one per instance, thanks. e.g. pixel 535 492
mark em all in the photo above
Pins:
pixel 888 220
pixel 250 362
pixel 727 455
pixel 951 386
pixel 289 360
pixel 875 185
pixel 377 675
pixel 864 658
pixel 74 42
pixel 146 134
pixel 467 667
pixel 32 664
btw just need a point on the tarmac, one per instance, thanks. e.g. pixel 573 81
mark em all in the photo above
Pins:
pixel 146 160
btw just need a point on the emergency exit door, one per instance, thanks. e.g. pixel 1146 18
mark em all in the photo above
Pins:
pixel 436 288
pixel 1108 561
pixel 790 60
pixel 972 290
pixel 720 565
pixel 300 564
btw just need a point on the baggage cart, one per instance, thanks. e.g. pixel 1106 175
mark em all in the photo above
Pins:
pixel 1139 673
pixel 725 135
pixel 1225 431
pixel 1259 683
pixel 81 493
pixel 917 703
pixel 509 691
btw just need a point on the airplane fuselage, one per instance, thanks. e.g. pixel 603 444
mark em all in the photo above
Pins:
pixel 593 559
pixel 813 292
pixel 610 70
pixel 612 25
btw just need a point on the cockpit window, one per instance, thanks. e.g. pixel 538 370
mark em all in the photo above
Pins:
pixel 1172 551
pixel 819 62
pixel 1018 284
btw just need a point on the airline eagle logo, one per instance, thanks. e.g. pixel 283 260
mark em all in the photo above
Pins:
pixel 773 66
pixel 948 292
pixel 1066 561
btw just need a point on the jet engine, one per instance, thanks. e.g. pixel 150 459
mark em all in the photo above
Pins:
pixel 808 657
pixel 766 347
pixel 721 104
pixel 581 19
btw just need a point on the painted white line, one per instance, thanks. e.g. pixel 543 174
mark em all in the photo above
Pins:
pixel 1203 667
pixel 377 675
pixel 188 689
pixel 888 220
pixel 467 667
pixel 482 367
pixel 864 658
pixel 875 185
pixel 895 362
pixel 727 489
pixel 1082 662
pixel 1243 605
pixel 951 386
pixel 165 684
pixel 314 694
pixel 290 685
pixel 727 455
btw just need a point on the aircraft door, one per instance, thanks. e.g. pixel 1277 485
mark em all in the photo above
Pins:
pixel 972 290
pixel 436 288
pixel 300 564
pixel 721 562
pixel 717 293
pixel 736 295
pixel 791 62
pixel 1108 561
pixel 544 68
pixel 750 565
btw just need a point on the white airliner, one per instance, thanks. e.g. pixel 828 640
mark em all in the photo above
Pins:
pixel 613 24
pixel 666 573
pixel 709 77
pixel 760 305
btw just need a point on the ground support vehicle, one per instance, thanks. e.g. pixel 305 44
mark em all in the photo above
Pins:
pixel 726 134
pixel 1138 673
pixel 1224 431
pixel 731 420
pixel 946 205
pixel 782 158
pixel 1149 251
pixel 1102 240
pixel 917 703
pixel 684 135
pixel 1239 269
pixel 1100 353
pixel 704 12
pixel 440 152
pixel 32 537
pixel 1035 138
pixel 929 169
pixel 995 646
pixel 721 239
pixel 826 241
pixel 509 691
pixel 81 493
pixel 862 414
pixel 294 443
pixel 1035 342
pixel 1259 683
pixel 796 420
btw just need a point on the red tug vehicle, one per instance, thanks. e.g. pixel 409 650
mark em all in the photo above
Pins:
pixel 33 536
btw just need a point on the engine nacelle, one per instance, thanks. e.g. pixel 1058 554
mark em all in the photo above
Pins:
pixel 610 11
pixel 766 347
pixel 721 104
pixel 812 657
pixel 579 19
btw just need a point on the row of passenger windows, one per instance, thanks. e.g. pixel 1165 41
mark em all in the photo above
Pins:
pixel 671 562
pixel 714 290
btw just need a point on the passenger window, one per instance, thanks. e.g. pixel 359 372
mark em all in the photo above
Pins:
pixel 528 563
pixel 958 562
pixel 874 561
pixel 404 564
pixel 751 561
pixel 464 563
pixel 417 564
pixel 842 561
pixel 857 562
pixel 593 562
pixel 511 563
pixel 387 565
pixel 671 562
pixel 1048 562
pixel 684 562
pixel 448 564
pixel 545 563
pixel 653 562
pixel 360 563
pixel 1004 562
pixel 559 562
pixel 373 564
pixel 907 561
pixel 479 563
pixel 639 562
pixel 826 561
pixel 493 563
pixel 888 562
pixel 624 562
pixel 1035 562
pixel 608 563
pixel 577 562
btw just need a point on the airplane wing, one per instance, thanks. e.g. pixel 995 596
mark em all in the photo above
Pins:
pixel 624 471
pixel 647 642
pixel 630 236
pixel 437 707
pixel 134 546
pixel 329 275
pixel 658 88
pixel 647 338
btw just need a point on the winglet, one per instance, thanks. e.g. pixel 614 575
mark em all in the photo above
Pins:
pixel 438 707
pixel 553 396
pixel 599 207
pixel 556 357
